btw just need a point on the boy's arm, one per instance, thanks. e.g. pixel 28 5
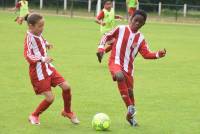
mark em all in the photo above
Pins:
pixel 148 54
pixel 107 37
pixel 48 45
pixel 118 17
pixel 99 18
pixel 17 7
pixel 32 58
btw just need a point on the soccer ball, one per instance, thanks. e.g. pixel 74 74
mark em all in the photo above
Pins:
pixel 101 122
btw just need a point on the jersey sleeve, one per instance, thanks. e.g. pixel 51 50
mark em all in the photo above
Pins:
pixel 18 5
pixel 146 52
pixel 28 52
pixel 108 37
pixel 100 16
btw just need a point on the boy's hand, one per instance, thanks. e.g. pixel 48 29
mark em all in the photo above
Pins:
pixel 49 46
pixel 100 54
pixel 162 53
pixel 47 59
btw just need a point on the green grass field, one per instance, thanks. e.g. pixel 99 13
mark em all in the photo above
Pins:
pixel 167 90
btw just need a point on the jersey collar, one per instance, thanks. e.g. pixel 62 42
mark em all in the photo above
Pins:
pixel 28 32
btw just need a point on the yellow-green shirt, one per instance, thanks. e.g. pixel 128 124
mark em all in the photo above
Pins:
pixel 23 8
pixel 109 20
pixel 132 3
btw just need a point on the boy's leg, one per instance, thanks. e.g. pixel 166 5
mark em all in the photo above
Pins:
pixel 123 89
pixel 42 87
pixel 132 109
pixel 66 93
pixel 49 98
pixel 130 85
pixel 57 79
pixel 44 104
pixel 131 95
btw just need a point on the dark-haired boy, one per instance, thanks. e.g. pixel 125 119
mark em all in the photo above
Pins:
pixel 42 73
pixel 128 42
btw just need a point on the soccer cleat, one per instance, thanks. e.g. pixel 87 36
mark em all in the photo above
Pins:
pixel 99 56
pixel 130 117
pixel 71 116
pixel 34 120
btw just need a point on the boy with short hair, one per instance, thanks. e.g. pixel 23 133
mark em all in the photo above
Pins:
pixel 106 17
pixel 128 42
pixel 42 73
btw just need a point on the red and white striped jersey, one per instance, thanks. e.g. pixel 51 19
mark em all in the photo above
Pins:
pixel 34 51
pixel 126 46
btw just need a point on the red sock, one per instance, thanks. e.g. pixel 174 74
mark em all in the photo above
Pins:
pixel 133 100
pixel 124 93
pixel 41 107
pixel 67 100
pixel 131 95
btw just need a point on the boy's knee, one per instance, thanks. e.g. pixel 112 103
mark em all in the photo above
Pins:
pixel 50 98
pixel 65 86
pixel 119 76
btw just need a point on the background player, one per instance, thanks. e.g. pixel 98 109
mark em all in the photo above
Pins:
pixel 22 6
pixel 131 6
pixel 128 42
pixel 106 20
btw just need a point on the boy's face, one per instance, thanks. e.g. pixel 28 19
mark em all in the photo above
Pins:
pixel 37 29
pixel 136 22
pixel 108 5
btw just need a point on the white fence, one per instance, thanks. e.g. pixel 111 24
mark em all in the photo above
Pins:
pixel 91 7
pixel 99 3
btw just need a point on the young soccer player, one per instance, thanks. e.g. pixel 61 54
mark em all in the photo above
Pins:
pixel 128 42
pixel 106 20
pixel 22 6
pixel 42 73
pixel 131 6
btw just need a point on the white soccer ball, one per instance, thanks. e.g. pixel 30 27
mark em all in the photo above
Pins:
pixel 101 122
